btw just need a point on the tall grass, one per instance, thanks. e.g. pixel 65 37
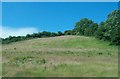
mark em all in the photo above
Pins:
pixel 60 56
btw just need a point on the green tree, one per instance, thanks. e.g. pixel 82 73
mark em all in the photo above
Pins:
pixel 113 26
pixel 60 33
pixel 68 32
pixel 85 27
pixel 101 30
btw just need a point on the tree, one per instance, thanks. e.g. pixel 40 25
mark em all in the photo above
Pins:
pixel 113 26
pixel 1 40
pixel 101 30
pixel 45 34
pixel 68 32
pixel 53 34
pixel 60 33
pixel 28 36
pixel 85 27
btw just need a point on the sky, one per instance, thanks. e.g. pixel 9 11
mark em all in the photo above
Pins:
pixel 60 0
pixel 21 18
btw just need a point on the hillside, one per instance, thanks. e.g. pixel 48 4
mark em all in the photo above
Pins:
pixel 60 56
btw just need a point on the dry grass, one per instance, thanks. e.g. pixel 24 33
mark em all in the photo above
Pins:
pixel 60 56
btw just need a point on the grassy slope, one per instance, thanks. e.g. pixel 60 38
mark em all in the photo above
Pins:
pixel 0 60
pixel 60 56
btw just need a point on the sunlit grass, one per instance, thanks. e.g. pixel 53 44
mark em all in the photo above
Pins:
pixel 60 56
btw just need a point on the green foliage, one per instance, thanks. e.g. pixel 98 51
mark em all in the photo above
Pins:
pixel 11 39
pixel 113 24
pixel 86 27
pixel 43 61
pixel 68 32
pixel 60 33
pixel 0 40
pixel 53 34
pixel 109 30
pixel 101 30
pixel 46 34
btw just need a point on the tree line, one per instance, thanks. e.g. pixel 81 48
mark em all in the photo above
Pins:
pixel 107 31
pixel 30 36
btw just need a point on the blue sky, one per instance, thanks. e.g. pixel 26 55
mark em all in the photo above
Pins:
pixel 29 17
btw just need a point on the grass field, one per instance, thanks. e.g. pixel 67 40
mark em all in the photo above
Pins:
pixel 0 60
pixel 69 56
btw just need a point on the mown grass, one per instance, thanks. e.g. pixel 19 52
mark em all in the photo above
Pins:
pixel 60 56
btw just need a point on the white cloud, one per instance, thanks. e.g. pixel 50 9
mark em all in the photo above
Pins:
pixel 8 31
